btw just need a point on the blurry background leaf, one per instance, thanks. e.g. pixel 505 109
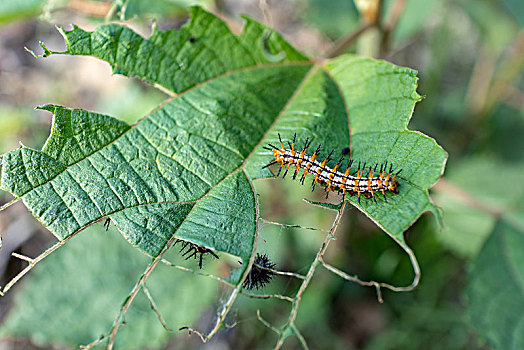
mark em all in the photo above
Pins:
pixel 496 287
pixel 158 8
pixel 334 17
pixel 73 296
pixel 466 227
pixel 16 9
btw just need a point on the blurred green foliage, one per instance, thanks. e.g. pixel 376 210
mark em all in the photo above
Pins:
pixel 72 298
pixel 469 54
pixel 11 10
pixel 496 289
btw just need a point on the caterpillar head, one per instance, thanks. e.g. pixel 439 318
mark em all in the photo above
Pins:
pixel 393 184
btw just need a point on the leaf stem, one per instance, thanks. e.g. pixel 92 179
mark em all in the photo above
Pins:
pixel 32 263
pixel 378 285
pixel 396 12
pixel 267 296
pixel 238 288
pixel 154 307
pixel 291 226
pixel 8 204
pixel 290 324
pixel 22 257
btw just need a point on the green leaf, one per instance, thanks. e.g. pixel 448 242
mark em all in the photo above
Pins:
pixel 380 99
pixel 79 303
pixel 496 288
pixel 177 60
pixel 186 169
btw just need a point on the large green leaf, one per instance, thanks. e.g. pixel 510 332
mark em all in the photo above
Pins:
pixel 186 168
pixel 496 288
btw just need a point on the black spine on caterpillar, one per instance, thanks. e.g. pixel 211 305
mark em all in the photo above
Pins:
pixel 192 249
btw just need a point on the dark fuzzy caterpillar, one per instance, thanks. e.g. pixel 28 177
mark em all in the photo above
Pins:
pixel 332 179
pixel 260 274
pixel 196 249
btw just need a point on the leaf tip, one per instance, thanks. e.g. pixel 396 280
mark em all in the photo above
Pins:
pixel 437 212
pixel 64 34
pixel 195 9
pixel 154 27
pixel 31 52
pixel 47 107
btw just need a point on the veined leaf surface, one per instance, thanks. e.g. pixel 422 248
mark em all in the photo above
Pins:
pixel 186 169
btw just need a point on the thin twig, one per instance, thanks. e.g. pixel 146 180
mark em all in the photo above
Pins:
pixel 378 285
pixel 267 324
pixel 396 12
pixel 8 204
pixel 183 268
pixel 32 264
pixel 480 81
pixel 267 296
pixel 291 226
pixel 465 197
pixel 305 283
pixel 300 337
pixel 23 257
pixel 221 315
pixel 345 276
pixel 155 308
pixel 341 45
pixel 283 273
pixel 119 319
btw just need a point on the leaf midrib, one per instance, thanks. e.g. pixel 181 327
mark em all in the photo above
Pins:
pixel 66 167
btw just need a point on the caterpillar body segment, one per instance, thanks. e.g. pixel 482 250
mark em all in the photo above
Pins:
pixel 365 181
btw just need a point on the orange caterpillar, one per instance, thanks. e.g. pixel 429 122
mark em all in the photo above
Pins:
pixel 332 179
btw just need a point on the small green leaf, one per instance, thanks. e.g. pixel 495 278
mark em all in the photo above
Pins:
pixel 496 288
